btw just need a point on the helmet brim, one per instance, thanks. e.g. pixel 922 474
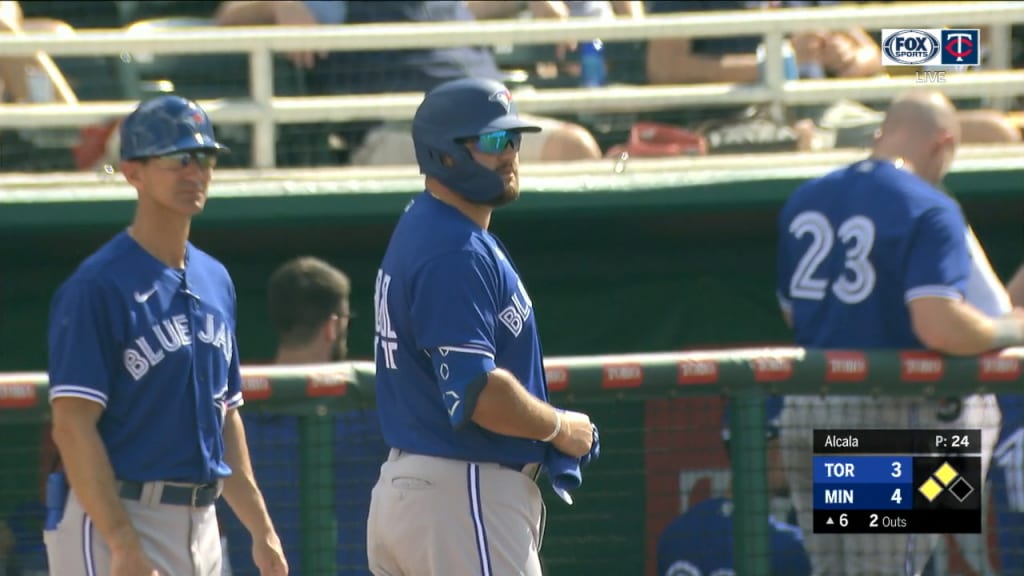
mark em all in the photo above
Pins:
pixel 216 147
pixel 200 142
pixel 507 123
pixel 185 146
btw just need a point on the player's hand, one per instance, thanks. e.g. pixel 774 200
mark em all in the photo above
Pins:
pixel 297 14
pixel 808 46
pixel 576 435
pixel 268 555
pixel 1017 313
pixel 131 561
pixel 839 53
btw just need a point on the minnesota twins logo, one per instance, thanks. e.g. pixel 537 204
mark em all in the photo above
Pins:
pixel 503 97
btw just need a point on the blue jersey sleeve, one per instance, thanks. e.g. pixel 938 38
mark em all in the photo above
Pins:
pixel 461 377
pixel 82 342
pixel 938 259
pixel 454 303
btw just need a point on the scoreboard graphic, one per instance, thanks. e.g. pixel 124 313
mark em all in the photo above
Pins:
pixel 897 481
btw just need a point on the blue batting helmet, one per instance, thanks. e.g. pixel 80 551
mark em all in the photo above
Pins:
pixel 456 110
pixel 164 125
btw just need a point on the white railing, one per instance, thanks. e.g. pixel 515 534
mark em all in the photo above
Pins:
pixel 264 111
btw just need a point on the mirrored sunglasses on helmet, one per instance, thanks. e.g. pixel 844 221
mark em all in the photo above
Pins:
pixel 497 142
pixel 182 160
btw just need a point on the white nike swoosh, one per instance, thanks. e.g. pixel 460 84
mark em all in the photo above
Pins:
pixel 451 411
pixel 141 297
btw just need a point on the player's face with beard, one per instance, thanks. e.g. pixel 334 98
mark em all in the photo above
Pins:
pixel 506 164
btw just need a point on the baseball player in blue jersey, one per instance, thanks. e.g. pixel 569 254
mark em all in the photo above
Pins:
pixel 144 378
pixel 461 391
pixel 701 543
pixel 873 255
pixel 1006 477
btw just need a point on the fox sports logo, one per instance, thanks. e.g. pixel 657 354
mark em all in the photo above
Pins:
pixel 911 47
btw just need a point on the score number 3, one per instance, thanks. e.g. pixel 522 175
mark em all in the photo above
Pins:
pixel 857 233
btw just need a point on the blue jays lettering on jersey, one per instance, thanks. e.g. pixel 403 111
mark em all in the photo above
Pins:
pixel 846 230
pixel 700 543
pixel 156 347
pixel 449 306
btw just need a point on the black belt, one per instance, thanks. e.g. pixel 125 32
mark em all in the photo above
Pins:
pixel 194 495
pixel 532 470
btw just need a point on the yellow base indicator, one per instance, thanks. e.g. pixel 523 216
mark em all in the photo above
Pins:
pixel 946 474
pixel 930 489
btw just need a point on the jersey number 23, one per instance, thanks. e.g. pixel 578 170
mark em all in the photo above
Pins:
pixel 856 236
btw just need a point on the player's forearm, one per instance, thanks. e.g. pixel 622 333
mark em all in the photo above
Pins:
pixel 548 9
pixel 505 407
pixel 488 9
pixel 245 13
pixel 1015 287
pixel 240 489
pixel 957 328
pixel 91 477
pixel 628 8
pixel 668 64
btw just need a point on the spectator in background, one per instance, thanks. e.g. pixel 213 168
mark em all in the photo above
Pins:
pixel 31 78
pixel 560 64
pixel 707 60
pixel 558 9
pixel 387 71
pixel 701 542
pixel 310 311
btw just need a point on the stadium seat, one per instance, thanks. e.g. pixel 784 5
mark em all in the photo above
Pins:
pixel 214 76
pixel 205 75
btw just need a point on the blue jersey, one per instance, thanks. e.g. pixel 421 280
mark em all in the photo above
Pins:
pixel 701 543
pixel 155 346
pixel 449 307
pixel 857 245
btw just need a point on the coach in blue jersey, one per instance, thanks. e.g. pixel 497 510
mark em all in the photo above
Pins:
pixel 461 390
pixel 874 255
pixel 144 378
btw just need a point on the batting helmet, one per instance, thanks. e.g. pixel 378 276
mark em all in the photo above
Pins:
pixel 164 125
pixel 457 110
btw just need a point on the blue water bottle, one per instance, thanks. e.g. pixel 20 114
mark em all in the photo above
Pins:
pixel 790 67
pixel 593 72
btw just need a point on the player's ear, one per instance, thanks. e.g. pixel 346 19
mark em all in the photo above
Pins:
pixel 131 170
pixel 329 331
